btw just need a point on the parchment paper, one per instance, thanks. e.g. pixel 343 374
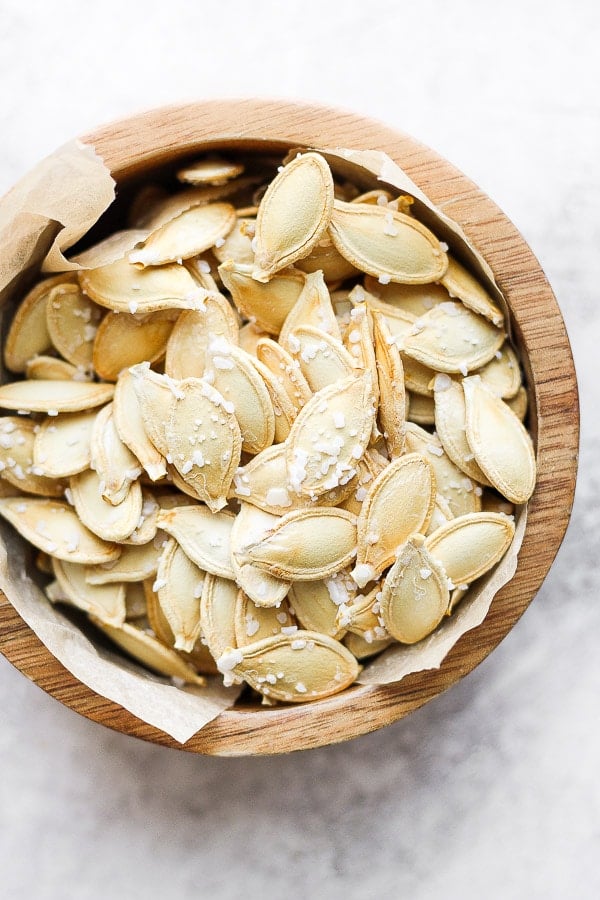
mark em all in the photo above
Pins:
pixel 45 214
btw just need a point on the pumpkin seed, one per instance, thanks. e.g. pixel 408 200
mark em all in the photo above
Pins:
pixel 292 668
pixel 286 369
pixel 28 335
pixel 387 243
pixel 470 545
pixel 237 245
pixel 110 522
pixel 322 358
pixel 518 404
pixel 265 304
pixel 233 373
pixel 315 604
pixel 134 564
pixel 461 494
pixel 450 423
pixel 188 234
pixel 54 397
pixel 399 503
pixel 62 446
pixel 115 465
pixel 17 462
pixel 502 374
pixel 109 250
pixel 72 321
pixel 179 588
pixel 147 650
pixel 451 338
pixel 414 299
pixel 254 623
pixel 313 308
pixel 127 414
pixel 210 171
pixel 122 340
pixel 293 214
pixel 363 648
pixel 305 545
pixel 53 527
pixel 249 527
pixel 460 283
pixel 499 442
pixel 325 257
pixel 204 536
pixel 50 368
pixel 204 441
pixel 415 595
pixel 106 602
pixel 421 410
pixel 331 432
pixel 123 287
pixel 390 375
pixel 217 614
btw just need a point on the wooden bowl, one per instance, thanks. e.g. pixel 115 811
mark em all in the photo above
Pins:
pixel 134 148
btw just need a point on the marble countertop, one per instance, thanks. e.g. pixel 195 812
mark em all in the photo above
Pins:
pixel 493 788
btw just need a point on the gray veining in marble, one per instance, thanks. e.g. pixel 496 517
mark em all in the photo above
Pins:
pixel 494 788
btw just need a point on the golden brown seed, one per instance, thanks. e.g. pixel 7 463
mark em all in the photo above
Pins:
pixel 115 465
pixel 265 304
pixel 217 613
pixel 127 412
pixel 462 495
pixel 28 334
pixel 316 603
pixel 122 340
pixel 392 398
pixel 313 308
pixel 123 287
pixel 110 522
pixel 106 602
pixel 450 423
pixel 322 358
pixel 62 446
pixel 210 171
pixel 72 323
pixel 250 527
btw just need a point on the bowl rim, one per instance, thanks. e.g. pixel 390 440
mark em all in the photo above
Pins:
pixel 137 144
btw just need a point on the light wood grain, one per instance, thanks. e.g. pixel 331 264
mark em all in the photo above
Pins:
pixel 131 149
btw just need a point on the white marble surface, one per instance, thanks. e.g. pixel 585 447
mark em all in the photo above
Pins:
pixel 494 788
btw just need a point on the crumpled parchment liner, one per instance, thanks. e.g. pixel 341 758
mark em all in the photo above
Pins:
pixel 44 215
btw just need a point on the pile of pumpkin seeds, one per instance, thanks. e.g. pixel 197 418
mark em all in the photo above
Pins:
pixel 264 433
